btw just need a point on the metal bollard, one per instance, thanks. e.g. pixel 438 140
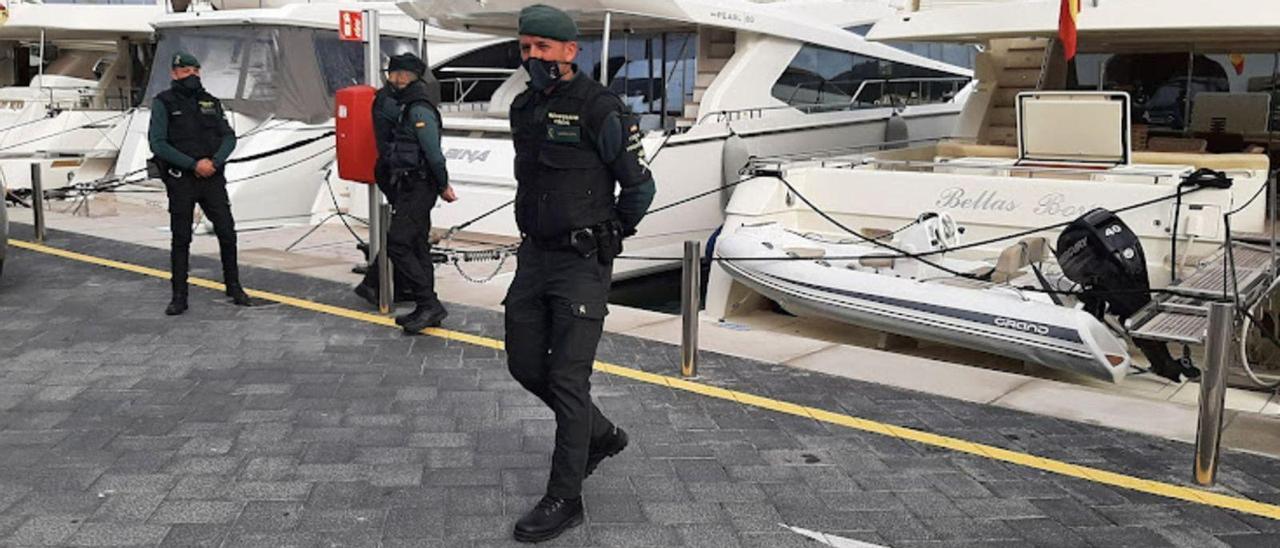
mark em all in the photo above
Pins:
pixel 1213 390
pixel 690 297
pixel 37 201
pixel 384 264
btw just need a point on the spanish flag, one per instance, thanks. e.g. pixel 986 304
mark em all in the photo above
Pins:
pixel 1237 62
pixel 1067 18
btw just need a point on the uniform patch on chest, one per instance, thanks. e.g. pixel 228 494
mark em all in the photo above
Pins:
pixel 562 118
pixel 208 107
pixel 564 134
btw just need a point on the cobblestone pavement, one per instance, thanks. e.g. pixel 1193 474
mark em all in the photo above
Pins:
pixel 276 426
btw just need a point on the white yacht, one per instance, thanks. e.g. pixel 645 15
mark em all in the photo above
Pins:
pixel 953 241
pixel 72 72
pixel 714 83
pixel 276 69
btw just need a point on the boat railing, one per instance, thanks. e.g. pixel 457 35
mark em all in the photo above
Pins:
pixel 834 157
pixel 463 86
pixel 464 107
pixel 856 101
pixel 78 98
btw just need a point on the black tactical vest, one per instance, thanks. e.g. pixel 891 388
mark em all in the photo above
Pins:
pixel 195 122
pixel 404 151
pixel 562 184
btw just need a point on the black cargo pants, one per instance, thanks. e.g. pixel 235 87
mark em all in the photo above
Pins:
pixel 408 240
pixel 555 311
pixel 210 193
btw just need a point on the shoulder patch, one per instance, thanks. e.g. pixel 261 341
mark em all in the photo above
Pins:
pixel 420 124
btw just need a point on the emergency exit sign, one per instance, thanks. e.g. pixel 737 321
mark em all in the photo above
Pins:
pixel 351 25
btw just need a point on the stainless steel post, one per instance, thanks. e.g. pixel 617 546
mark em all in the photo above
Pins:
pixel 422 42
pixel 690 297
pixel 384 263
pixel 37 201
pixel 604 48
pixel 1213 389
pixel 40 67
pixel 377 204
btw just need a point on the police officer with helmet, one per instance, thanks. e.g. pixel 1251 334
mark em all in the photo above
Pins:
pixel 191 141
pixel 415 167
pixel 574 141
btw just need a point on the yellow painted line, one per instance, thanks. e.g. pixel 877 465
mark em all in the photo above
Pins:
pixel 1168 490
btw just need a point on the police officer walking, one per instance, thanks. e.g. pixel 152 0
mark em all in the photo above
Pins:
pixel 574 140
pixel 191 140
pixel 386 115
pixel 415 166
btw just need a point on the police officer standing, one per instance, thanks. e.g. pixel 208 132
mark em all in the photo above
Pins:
pixel 415 166
pixel 191 140
pixel 574 139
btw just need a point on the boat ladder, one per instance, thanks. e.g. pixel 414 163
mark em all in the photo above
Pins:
pixel 1182 314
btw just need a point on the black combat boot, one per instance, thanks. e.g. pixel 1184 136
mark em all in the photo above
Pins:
pixel 238 296
pixel 548 519
pixel 369 294
pixel 422 317
pixel 611 445
pixel 177 305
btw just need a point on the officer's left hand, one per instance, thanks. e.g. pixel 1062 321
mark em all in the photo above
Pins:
pixel 449 195
pixel 205 168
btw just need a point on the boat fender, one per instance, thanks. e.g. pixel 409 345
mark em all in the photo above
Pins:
pixel 733 159
pixel 896 131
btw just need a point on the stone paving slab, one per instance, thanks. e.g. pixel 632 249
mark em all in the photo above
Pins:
pixel 276 426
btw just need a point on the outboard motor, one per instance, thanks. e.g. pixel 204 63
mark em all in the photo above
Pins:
pixel 1100 252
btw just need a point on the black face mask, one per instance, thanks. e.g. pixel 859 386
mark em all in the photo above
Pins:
pixel 190 83
pixel 542 73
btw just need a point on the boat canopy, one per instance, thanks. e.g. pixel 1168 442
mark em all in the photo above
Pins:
pixel 1240 25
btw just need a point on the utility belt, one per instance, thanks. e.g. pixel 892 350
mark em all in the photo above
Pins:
pixel 602 241
pixel 160 169
pixel 411 179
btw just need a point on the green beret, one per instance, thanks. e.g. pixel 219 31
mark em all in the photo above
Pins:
pixel 547 22
pixel 184 59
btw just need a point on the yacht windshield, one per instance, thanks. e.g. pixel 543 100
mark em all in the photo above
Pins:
pixel 266 71
pixel 342 61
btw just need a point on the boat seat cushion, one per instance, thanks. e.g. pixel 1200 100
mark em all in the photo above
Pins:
pixel 1013 259
pixel 876 262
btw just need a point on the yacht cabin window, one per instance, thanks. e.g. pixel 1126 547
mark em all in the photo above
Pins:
pixel 638 73
pixel 823 79
pixel 960 55
pixel 474 76
pixel 1188 93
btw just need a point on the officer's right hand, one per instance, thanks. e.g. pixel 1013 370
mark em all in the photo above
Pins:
pixel 205 168
pixel 449 195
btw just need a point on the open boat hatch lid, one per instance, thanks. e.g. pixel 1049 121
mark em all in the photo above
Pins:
pixel 1074 127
